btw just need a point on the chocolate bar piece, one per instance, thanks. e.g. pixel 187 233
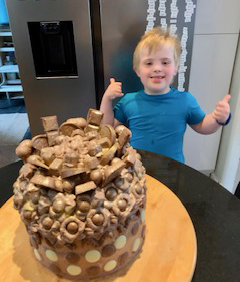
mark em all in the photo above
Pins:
pixel 45 181
pixel 109 155
pixel 94 117
pixel 91 127
pixel 55 166
pixel 79 189
pixel 50 123
pixel 52 135
pixel 113 171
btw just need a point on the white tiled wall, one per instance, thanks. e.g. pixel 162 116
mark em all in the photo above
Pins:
pixel 215 41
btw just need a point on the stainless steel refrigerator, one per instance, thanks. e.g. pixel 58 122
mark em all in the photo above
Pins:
pixel 68 50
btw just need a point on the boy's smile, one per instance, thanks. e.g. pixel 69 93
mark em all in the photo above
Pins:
pixel 157 70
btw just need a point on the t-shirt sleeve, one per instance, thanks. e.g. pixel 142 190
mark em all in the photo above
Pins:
pixel 119 113
pixel 195 113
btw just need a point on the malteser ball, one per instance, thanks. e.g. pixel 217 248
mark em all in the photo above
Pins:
pixel 122 205
pixel 115 160
pixel 111 194
pixel 58 205
pixel 27 143
pixel 84 206
pixel 96 176
pixel 119 129
pixel 98 219
pixel 68 185
pixel 24 149
pixel 72 227
pixel 47 223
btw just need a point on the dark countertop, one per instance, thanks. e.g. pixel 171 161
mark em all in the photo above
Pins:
pixel 214 211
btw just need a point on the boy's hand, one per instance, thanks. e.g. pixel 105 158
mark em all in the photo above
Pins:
pixel 222 110
pixel 114 89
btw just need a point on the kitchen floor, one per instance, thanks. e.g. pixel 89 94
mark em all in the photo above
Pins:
pixel 14 127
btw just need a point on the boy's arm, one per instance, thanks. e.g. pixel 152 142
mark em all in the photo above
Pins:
pixel 114 90
pixel 210 123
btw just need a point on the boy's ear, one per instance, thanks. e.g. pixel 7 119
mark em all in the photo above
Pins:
pixel 136 71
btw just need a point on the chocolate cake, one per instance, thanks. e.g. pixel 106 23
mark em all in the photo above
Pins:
pixel 81 194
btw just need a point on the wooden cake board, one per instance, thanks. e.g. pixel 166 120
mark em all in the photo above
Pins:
pixel 168 254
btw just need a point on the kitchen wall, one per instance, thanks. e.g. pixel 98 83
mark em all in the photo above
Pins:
pixel 214 48
pixel 227 171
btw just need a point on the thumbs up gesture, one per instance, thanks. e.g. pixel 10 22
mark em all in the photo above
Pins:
pixel 114 90
pixel 222 109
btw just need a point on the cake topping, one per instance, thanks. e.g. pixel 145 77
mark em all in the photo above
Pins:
pixel 37 255
pixel 120 242
pixel 51 255
pixel 136 244
pixel 72 257
pixel 79 181
pixel 92 256
pixel 74 270
pixel 110 265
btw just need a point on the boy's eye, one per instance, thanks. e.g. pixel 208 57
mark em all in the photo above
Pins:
pixel 148 63
pixel 166 62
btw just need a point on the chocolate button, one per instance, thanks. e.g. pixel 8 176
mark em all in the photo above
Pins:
pixel 71 246
pixel 108 250
pixel 123 258
pixel 135 229
pixel 72 257
pixel 37 255
pixel 143 231
pixel 33 242
pixel 50 243
pixel 93 270
pixel 55 268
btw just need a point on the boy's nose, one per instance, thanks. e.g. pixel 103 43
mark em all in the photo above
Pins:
pixel 157 68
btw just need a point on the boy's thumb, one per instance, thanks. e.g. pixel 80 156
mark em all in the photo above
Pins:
pixel 112 80
pixel 227 98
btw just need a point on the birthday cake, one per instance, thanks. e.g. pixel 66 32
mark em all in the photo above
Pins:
pixel 81 194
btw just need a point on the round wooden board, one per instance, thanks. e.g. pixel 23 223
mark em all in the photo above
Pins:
pixel 168 255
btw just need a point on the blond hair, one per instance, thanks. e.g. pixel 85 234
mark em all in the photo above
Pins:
pixel 154 40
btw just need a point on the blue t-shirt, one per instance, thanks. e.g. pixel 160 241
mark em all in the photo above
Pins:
pixel 158 122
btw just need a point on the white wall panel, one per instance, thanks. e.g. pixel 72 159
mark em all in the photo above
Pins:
pixel 227 171
pixel 217 16
pixel 211 70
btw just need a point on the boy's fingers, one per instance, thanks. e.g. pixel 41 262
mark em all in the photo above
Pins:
pixel 120 94
pixel 112 80
pixel 227 98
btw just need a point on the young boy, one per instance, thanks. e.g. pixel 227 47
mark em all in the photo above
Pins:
pixel 158 115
